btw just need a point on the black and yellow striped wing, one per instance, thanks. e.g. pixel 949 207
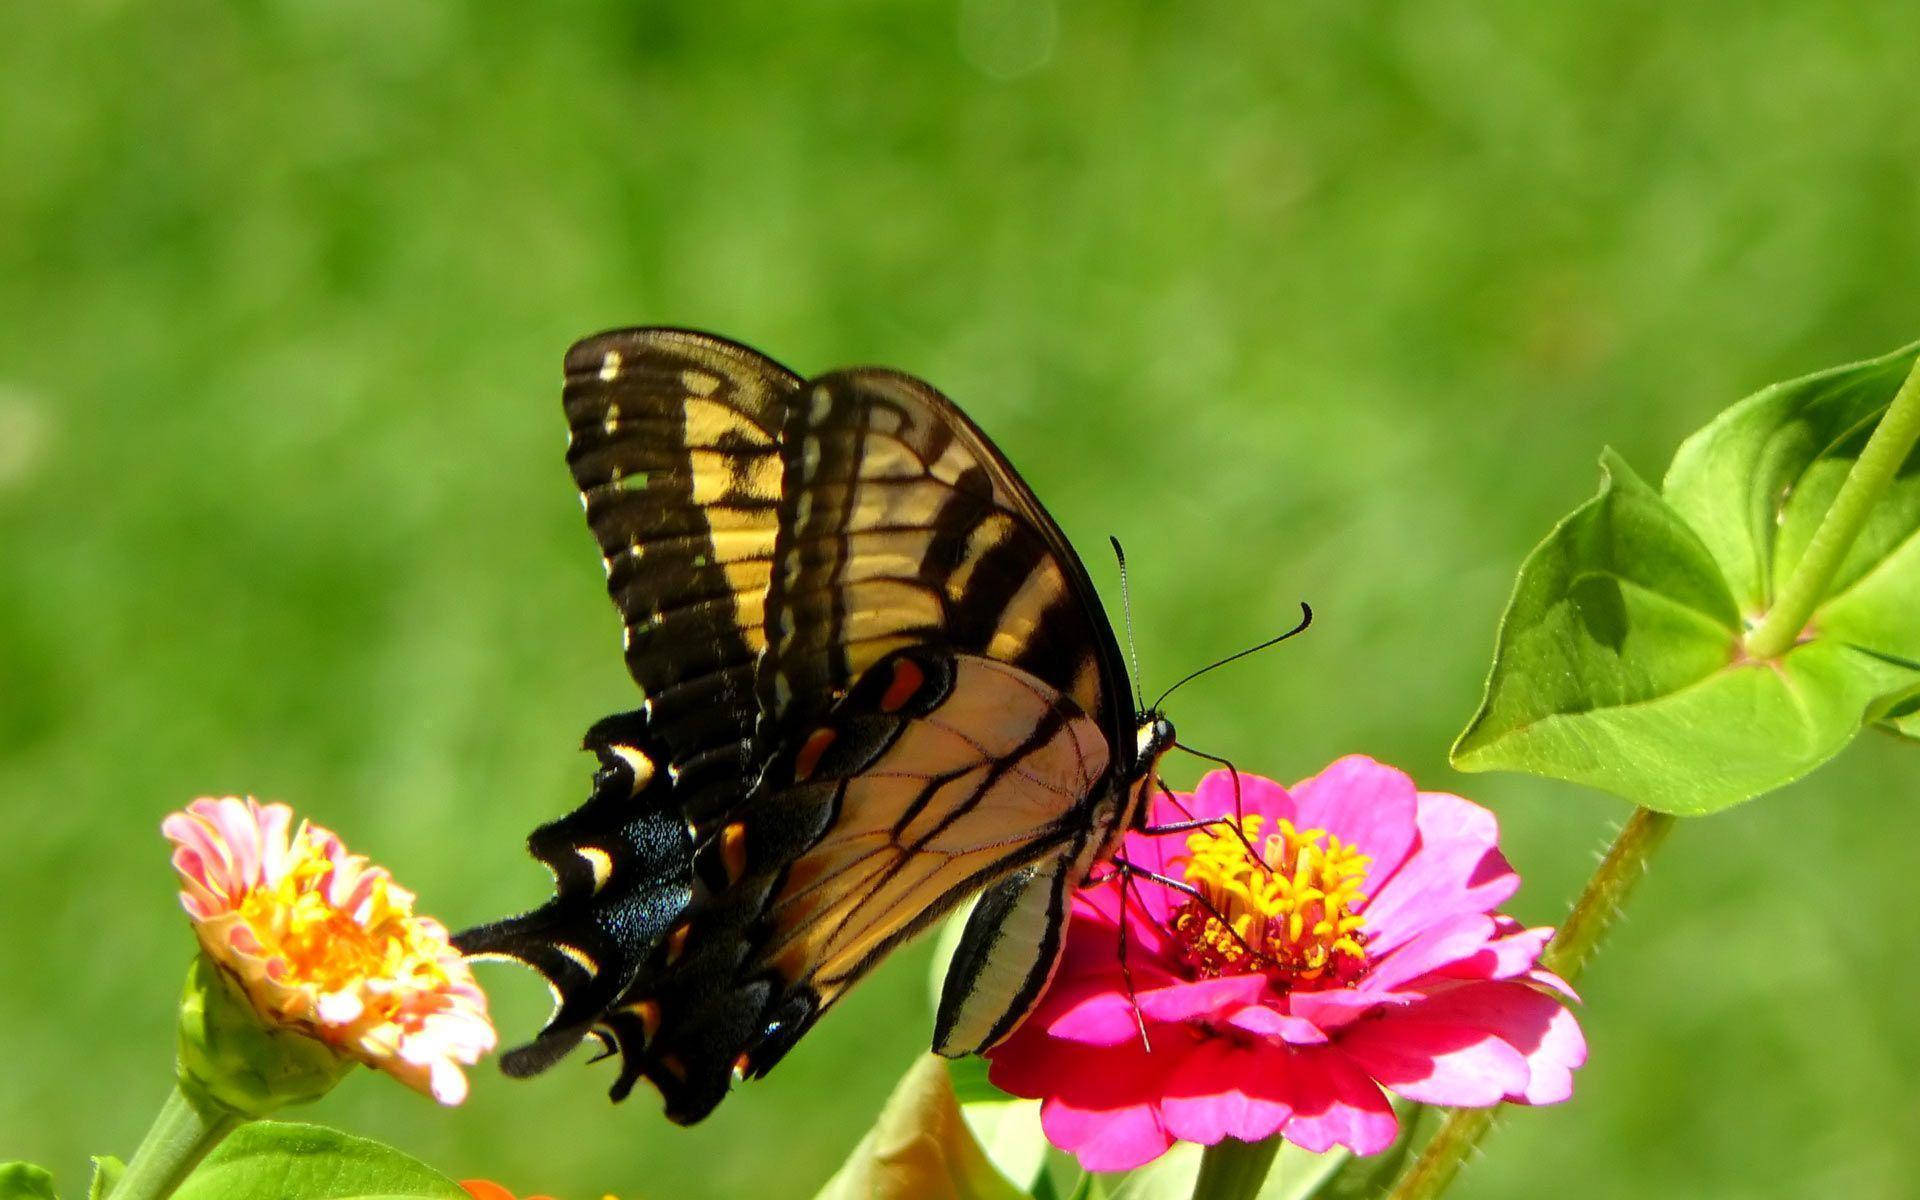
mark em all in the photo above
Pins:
pixel 876 680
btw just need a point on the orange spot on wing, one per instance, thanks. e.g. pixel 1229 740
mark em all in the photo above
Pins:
pixel 733 850
pixel 677 943
pixel 809 756
pixel 907 678
pixel 648 1013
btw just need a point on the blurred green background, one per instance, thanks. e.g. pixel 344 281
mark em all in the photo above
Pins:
pixel 1311 299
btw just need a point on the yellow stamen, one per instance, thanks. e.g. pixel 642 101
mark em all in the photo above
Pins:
pixel 1290 910
pixel 296 922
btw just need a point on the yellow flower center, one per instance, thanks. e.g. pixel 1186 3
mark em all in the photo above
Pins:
pixel 334 949
pixel 1287 910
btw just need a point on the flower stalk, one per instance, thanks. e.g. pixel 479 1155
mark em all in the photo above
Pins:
pixel 189 1126
pixel 1880 460
pixel 1594 913
pixel 1235 1170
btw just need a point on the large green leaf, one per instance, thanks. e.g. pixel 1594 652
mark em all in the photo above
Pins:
pixel 1619 663
pixel 920 1146
pixel 276 1160
pixel 24 1181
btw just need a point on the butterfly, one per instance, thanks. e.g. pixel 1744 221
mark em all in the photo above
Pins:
pixel 876 681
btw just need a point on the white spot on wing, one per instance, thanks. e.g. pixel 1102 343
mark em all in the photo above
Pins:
pixel 599 862
pixel 579 957
pixel 610 366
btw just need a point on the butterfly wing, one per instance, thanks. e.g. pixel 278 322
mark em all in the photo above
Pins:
pixel 672 441
pixel 877 679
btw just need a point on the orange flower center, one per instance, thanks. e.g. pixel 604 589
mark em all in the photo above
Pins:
pixel 335 949
pixel 1289 909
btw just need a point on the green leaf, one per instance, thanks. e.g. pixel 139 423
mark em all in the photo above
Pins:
pixel 1169 1177
pixel 1619 666
pixel 970 1083
pixel 1903 716
pixel 921 1145
pixel 24 1181
pixel 107 1171
pixel 275 1160
pixel 1755 481
pixel 1008 1130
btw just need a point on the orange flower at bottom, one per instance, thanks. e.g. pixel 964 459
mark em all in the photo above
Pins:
pixel 486 1189
pixel 326 944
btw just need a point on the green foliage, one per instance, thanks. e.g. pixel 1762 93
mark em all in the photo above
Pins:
pixel 274 1160
pixel 107 1171
pixel 1621 660
pixel 24 1181
pixel 920 1145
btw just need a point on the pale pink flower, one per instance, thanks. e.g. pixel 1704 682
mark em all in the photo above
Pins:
pixel 326 944
pixel 1359 951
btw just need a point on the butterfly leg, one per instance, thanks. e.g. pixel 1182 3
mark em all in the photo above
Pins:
pixel 1188 890
pixel 1126 966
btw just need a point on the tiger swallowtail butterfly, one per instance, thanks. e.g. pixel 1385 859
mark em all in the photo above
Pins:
pixel 876 681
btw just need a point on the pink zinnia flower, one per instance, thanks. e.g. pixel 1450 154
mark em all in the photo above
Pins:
pixel 1359 952
pixel 328 945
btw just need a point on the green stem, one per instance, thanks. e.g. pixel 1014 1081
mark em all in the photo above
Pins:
pixel 1234 1170
pixel 1892 440
pixel 1605 895
pixel 183 1133
pixel 1596 910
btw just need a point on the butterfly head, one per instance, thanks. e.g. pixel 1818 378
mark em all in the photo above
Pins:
pixel 1153 736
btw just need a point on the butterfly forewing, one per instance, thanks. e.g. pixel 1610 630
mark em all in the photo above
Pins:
pixel 902 524
pixel 674 444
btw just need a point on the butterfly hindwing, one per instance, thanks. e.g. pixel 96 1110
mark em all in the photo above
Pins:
pixel 622 868
pixel 1008 951
pixel 935 775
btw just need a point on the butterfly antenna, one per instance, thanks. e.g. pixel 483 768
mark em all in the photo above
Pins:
pixel 1126 612
pixel 1306 619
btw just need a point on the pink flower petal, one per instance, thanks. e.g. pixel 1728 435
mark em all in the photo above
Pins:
pixel 1098 1017
pixel 1330 1010
pixel 1224 1089
pixel 1100 1103
pixel 1116 1139
pixel 1534 1023
pixel 1201 999
pixel 1457 868
pixel 1335 1104
pixel 1438 946
pixel 1214 796
pixel 1365 804
pixel 1509 955
pixel 1266 1022
pixel 1436 1062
